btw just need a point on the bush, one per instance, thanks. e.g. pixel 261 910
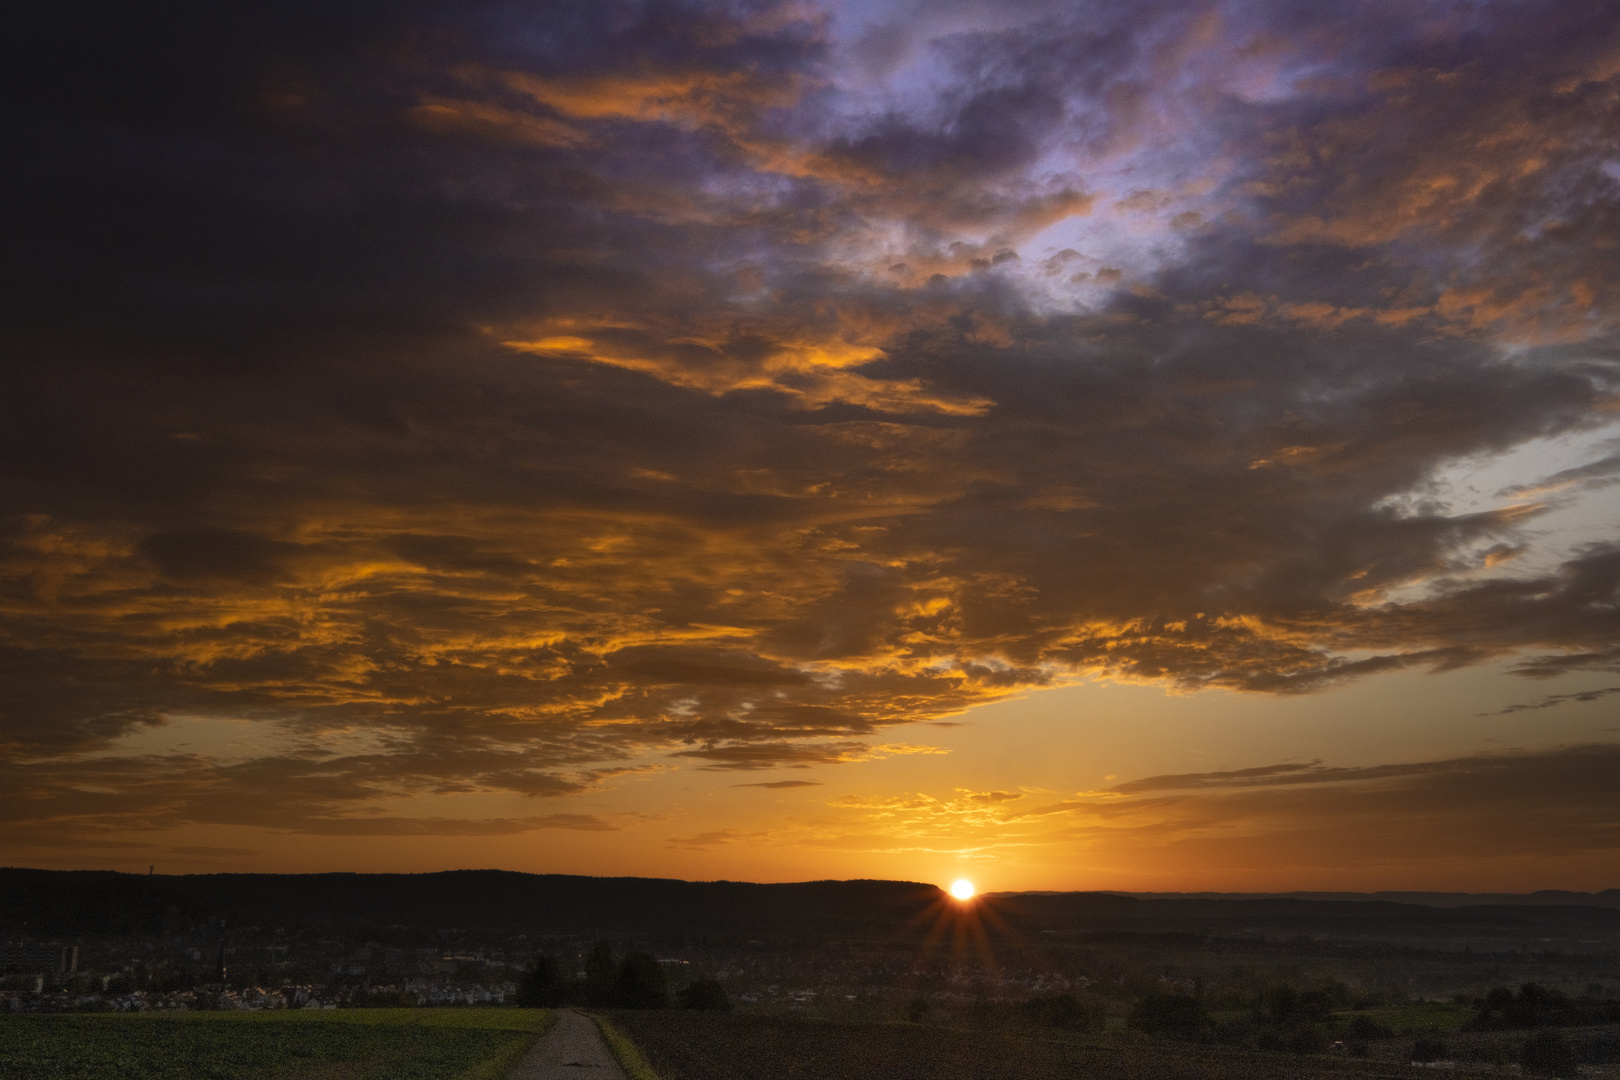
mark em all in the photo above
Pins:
pixel 601 979
pixel 1307 1039
pixel 704 992
pixel 1281 1003
pixel 1548 1054
pixel 919 1010
pixel 1538 1006
pixel 1365 1027
pixel 641 983
pixel 1425 1050
pixel 544 986
pixel 1173 1016
pixel 1315 1005
pixel 1065 1012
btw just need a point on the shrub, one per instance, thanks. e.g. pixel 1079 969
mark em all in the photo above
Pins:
pixel 1548 1054
pixel 1281 1003
pixel 544 986
pixel 1537 1006
pixel 704 992
pixel 1173 1016
pixel 1316 1005
pixel 1065 1012
pixel 1365 1027
pixel 1308 1039
pixel 601 979
pixel 1425 1050
pixel 641 983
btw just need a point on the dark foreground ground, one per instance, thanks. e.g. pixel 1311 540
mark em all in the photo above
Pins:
pixel 721 1046
pixel 358 1044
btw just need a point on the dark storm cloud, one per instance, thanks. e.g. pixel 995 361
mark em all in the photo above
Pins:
pixel 541 386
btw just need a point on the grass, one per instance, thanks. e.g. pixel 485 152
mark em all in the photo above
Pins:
pixel 1417 1017
pixel 349 1044
pixel 718 1046
pixel 624 1051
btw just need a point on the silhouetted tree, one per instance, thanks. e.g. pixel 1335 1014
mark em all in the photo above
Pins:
pixel 1539 1006
pixel 601 978
pixel 1426 1050
pixel 704 992
pixel 1548 1054
pixel 1173 1016
pixel 919 1010
pixel 1285 1005
pixel 1281 1004
pixel 1316 1005
pixel 1367 1027
pixel 1065 1012
pixel 1533 1006
pixel 544 986
pixel 641 983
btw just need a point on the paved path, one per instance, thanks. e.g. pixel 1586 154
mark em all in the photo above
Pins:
pixel 573 1050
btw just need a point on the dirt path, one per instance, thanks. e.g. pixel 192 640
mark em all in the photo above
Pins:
pixel 573 1050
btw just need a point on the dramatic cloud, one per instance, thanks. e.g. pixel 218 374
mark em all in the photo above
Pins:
pixel 1558 699
pixel 1510 810
pixel 537 392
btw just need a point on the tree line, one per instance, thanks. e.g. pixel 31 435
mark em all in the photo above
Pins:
pixel 637 981
pixel 1305 1022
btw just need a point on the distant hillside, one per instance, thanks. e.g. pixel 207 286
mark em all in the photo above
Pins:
pixel 1609 898
pixel 1314 915
pixel 47 902
pixel 104 904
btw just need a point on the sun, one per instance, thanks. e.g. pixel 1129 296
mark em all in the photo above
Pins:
pixel 962 889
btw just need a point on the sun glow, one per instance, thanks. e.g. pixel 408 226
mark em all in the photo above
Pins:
pixel 962 889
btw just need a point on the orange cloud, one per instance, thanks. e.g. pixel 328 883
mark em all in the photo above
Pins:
pixel 491 413
pixel 486 121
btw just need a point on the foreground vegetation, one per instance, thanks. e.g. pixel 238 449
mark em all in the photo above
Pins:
pixel 729 1046
pixel 361 1044
pixel 635 982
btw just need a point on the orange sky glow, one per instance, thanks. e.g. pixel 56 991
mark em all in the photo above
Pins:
pixel 1145 446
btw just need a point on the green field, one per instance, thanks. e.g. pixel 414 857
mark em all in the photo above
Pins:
pixel 358 1044
pixel 719 1046
pixel 1417 1017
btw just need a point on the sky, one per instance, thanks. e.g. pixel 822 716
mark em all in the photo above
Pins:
pixel 1091 445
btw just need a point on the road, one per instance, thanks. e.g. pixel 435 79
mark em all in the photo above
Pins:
pixel 573 1050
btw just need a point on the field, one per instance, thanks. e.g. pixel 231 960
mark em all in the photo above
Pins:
pixel 359 1044
pixel 717 1046
pixel 1417 1017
